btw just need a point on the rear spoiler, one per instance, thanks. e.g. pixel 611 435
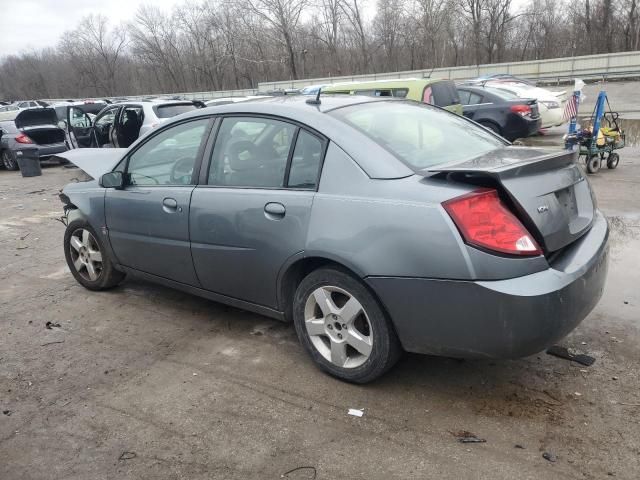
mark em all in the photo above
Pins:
pixel 510 162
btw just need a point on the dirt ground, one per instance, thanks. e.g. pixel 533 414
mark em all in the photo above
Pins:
pixel 148 383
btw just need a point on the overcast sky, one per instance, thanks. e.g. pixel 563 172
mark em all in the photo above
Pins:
pixel 34 24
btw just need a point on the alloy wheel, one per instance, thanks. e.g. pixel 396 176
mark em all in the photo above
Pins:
pixel 85 254
pixel 8 162
pixel 338 326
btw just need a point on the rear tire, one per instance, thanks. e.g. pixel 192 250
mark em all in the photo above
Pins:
pixel 612 160
pixel 593 164
pixel 343 327
pixel 9 160
pixel 87 258
pixel 492 126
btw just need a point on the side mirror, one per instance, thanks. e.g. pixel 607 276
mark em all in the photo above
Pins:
pixel 112 180
pixel 62 124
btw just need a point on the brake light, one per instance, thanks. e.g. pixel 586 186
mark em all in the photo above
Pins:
pixel 484 221
pixel 22 138
pixel 522 110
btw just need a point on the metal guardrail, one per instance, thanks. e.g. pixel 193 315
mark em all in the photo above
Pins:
pixel 611 65
pixel 553 70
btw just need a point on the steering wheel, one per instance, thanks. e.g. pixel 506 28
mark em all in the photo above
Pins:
pixel 182 171
pixel 242 146
pixel 155 181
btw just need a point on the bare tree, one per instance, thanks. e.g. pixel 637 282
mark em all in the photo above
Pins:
pixel 95 52
pixel 222 44
pixel 284 17
pixel 353 13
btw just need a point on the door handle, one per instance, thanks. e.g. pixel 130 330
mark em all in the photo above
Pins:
pixel 274 210
pixel 170 205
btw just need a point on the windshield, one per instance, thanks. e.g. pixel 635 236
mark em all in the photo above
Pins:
pixel 419 135
pixel 173 109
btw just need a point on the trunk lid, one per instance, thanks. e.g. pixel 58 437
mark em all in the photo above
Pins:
pixel 549 192
pixel 36 116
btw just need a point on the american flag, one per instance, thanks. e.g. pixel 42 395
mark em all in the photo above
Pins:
pixel 570 108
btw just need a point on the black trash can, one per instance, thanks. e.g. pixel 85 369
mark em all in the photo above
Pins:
pixel 29 162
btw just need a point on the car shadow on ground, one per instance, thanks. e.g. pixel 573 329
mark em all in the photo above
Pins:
pixel 531 387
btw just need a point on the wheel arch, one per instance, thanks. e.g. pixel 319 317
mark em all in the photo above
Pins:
pixel 485 121
pixel 298 267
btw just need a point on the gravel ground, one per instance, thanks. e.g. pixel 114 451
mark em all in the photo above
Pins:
pixel 145 382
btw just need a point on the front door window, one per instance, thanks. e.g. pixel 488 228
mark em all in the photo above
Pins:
pixel 169 157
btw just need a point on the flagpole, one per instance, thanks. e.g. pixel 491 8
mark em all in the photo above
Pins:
pixel 570 141
pixel 571 108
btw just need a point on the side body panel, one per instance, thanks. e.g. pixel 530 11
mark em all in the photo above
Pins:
pixel 147 235
pixel 238 247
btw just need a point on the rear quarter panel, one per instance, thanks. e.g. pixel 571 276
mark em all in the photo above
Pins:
pixel 397 227
pixel 381 227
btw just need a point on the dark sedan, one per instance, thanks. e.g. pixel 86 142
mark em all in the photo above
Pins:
pixel 32 131
pixel 357 218
pixel 501 112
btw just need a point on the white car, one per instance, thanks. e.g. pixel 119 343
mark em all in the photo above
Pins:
pixel 9 112
pixel 118 125
pixel 550 104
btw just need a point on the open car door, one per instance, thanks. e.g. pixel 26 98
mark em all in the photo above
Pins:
pixel 79 125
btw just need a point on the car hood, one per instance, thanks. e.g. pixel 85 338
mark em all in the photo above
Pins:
pixel 94 161
pixel 36 116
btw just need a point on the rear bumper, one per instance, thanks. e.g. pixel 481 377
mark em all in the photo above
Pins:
pixel 551 117
pixel 519 127
pixel 43 150
pixel 499 319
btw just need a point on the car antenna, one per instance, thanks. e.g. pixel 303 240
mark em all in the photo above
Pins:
pixel 315 101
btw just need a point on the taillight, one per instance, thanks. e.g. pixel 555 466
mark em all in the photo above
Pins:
pixel 522 110
pixel 22 138
pixel 485 222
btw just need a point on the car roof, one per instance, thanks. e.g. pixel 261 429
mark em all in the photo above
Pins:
pixel 376 161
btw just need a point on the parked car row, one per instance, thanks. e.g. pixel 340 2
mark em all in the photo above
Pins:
pixel 69 125
pixel 508 106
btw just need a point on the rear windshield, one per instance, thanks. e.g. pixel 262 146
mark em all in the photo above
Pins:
pixel 419 135
pixel 507 95
pixel 173 109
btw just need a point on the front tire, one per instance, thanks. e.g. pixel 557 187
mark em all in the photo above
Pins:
pixel 9 160
pixel 342 326
pixel 87 258
pixel 593 164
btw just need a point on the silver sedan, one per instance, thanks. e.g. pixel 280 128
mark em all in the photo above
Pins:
pixel 375 225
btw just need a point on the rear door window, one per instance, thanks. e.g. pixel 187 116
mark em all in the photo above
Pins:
pixel 474 99
pixel 251 153
pixel 305 162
